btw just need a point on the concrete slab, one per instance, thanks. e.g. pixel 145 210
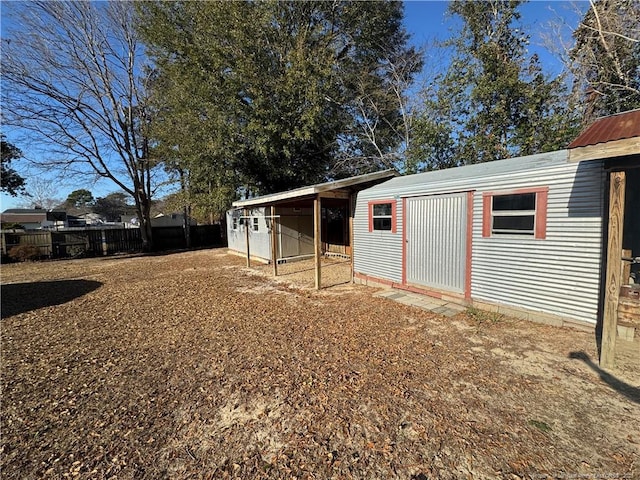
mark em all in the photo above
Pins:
pixel 455 306
pixel 441 307
pixel 395 296
pixel 387 293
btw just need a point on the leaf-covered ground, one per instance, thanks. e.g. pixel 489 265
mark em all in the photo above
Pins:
pixel 192 366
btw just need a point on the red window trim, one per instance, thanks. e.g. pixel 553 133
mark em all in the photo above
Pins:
pixel 542 198
pixel 393 213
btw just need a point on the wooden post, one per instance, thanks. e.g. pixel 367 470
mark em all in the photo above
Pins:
pixel 274 239
pixel 626 266
pixel 317 239
pixel 246 230
pixel 614 272
pixel 350 223
pixel 105 246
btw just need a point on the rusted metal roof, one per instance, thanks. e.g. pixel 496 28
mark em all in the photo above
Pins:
pixel 607 129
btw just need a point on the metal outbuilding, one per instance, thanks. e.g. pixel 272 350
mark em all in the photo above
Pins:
pixel 523 236
pixel 300 223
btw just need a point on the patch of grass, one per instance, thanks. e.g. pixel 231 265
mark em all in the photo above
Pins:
pixel 542 426
pixel 482 316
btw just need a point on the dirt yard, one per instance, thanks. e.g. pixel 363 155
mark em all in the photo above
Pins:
pixel 192 366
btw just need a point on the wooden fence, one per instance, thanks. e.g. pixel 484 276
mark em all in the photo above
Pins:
pixel 108 241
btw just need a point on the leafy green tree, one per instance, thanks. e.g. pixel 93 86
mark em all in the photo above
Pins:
pixel 12 182
pixel 266 95
pixel 605 59
pixel 112 206
pixel 80 199
pixel 493 101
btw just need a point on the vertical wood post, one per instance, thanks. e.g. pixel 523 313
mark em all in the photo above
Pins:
pixel 626 267
pixel 274 239
pixel 317 239
pixel 246 230
pixel 614 272
pixel 350 223
pixel 105 246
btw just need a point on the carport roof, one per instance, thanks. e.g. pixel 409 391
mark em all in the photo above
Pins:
pixel 315 189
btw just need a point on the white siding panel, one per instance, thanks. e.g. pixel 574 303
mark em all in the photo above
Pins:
pixel 259 242
pixel 559 275
pixel 377 253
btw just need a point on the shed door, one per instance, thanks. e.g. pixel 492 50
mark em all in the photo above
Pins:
pixel 296 236
pixel 436 241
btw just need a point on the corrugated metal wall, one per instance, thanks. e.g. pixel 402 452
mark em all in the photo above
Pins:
pixel 377 253
pixel 559 275
pixel 436 238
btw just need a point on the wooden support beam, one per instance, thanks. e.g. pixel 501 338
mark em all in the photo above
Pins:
pixel 350 213
pixel 334 194
pixel 274 240
pixel 317 240
pixel 614 148
pixel 246 229
pixel 614 271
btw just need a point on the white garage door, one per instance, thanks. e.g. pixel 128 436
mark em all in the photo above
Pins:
pixel 436 241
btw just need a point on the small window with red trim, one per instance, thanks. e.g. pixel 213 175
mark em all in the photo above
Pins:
pixel 521 213
pixel 382 216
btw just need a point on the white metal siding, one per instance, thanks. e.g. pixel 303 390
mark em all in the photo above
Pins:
pixel 436 238
pixel 559 275
pixel 259 242
pixel 377 253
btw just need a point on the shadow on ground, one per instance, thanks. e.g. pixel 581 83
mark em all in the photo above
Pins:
pixel 629 391
pixel 24 297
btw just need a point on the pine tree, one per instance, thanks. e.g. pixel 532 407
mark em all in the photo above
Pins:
pixel 493 101
pixel 12 182
pixel 264 94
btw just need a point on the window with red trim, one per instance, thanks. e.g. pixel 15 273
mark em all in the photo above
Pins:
pixel 520 213
pixel 382 216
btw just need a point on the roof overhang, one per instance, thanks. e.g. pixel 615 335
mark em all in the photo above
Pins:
pixel 327 189
pixel 608 137
pixel 600 151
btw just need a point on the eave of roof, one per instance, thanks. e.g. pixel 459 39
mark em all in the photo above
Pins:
pixel 315 189
pixel 22 218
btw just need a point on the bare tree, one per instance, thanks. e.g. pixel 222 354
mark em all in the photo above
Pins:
pixel 602 55
pixel 42 194
pixel 385 115
pixel 72 79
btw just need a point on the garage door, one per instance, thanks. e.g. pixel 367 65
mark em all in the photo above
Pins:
pixel 436 241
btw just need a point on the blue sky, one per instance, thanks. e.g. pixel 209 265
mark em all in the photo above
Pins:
pixel 425 21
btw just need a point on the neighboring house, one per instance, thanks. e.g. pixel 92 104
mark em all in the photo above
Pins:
pixel 35 219
pixel 170 220
pixel 89 219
